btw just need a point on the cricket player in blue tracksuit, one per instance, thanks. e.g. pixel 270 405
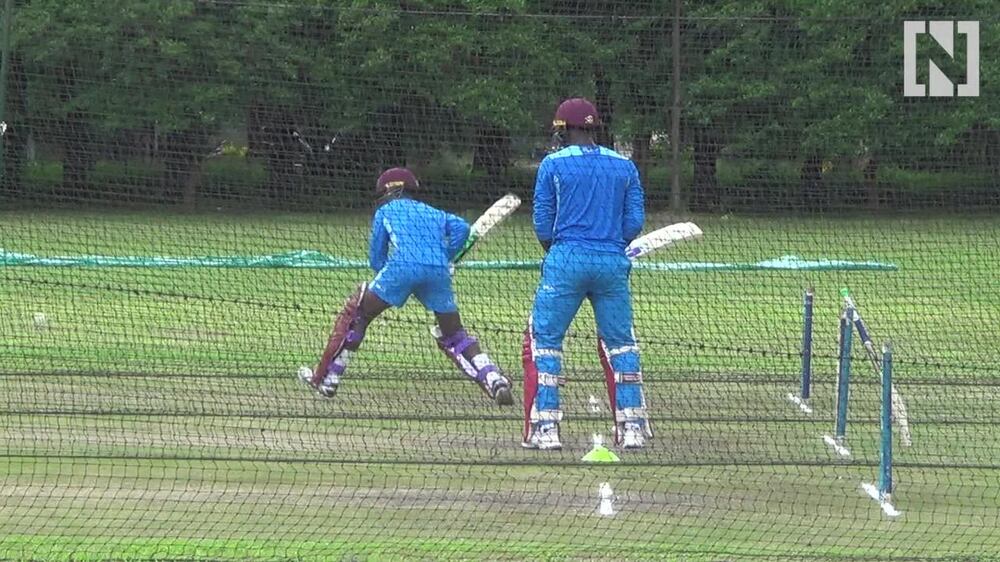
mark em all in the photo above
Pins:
pixel 588 205
pixel 411 250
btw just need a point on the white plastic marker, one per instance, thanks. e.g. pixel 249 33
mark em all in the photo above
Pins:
pixel 595 405
pixel 898 406
pixel 503 208
pixel 41 321
pixel 659 238
pixel 883 500
pixel 837 446
pixel 607 497
pixel 800 403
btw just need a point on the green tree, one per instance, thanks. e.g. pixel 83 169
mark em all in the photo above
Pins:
pixel 628 50
pixel 497 68
pixel 849 105
pixel 98 67
pixel 814 83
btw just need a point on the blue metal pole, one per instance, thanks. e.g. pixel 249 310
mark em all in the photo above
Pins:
pixel 807 337
pixel 885 460
pixel 843 372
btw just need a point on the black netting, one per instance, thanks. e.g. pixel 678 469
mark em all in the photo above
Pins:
pixel 187 199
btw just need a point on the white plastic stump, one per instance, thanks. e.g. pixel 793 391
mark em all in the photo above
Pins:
pixel 883 502
pixel 595 404
pixel 839 448
pixel 606 508
pixel 802 404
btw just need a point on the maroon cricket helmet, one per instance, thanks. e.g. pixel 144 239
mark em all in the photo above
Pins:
pixel 577 113
pixel 395 180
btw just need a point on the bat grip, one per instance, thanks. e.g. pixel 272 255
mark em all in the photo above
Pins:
pixel 465 249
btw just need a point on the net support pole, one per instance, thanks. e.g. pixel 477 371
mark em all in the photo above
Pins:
pixel 843 374
pixel 885 450
pixel 898 406
pixel 675 113
pixel 881 491
pixel 807 335
pixel 802 400
pixel 843 384
pixel 5 31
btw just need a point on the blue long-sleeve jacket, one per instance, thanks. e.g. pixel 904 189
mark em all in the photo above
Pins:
pixel 588 196
pixel 407 231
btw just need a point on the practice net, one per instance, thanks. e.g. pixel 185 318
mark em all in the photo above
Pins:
pixel 187 197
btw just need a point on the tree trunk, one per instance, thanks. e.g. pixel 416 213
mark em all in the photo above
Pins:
pixel 385 144
pixel 79 158
pixel 255 130
pixel 705 194
pixel 992 156
pixel 871 183
pixel 271 137
pixel 10 182
pixel 189 199
pixel 183 154
pixel 810 185
pixel 77 139
pixel 17 137
pixel 492 150
pixel 602 102
pixel 385 138
pixel 640 153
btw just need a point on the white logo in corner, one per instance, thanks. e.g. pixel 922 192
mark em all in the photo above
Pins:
pixel 939 85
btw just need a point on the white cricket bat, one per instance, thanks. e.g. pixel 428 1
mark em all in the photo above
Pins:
pixel 659 238
pixel 497 212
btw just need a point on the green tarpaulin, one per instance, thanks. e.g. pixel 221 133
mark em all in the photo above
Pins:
pixel 311 259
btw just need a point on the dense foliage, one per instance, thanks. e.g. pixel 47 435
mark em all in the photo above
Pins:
pixel 786 103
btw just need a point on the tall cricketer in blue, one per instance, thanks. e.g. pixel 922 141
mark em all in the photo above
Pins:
pixel 588 205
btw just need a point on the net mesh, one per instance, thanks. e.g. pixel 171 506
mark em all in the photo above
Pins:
pixel 187 201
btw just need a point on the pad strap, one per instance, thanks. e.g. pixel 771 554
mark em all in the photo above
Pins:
pixel 628 378
pixel 478 369
pixel 547 379
pixel 612 352
pixel 545 415
pixel 558 354
pixel 630 414
pixel 458 342
pixel 485 372
pixel 484 366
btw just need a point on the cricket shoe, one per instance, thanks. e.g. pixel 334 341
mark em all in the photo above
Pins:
pixel 500 391
pixel 632 434
pixel 544 437
pixel 327 388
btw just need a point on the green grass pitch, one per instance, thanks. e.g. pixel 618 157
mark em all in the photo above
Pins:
pixel 154 413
